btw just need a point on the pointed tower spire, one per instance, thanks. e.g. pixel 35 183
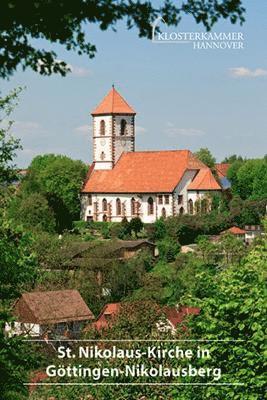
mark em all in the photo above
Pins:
pixel 113 103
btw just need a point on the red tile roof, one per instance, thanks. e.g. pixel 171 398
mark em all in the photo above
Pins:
pixel 113 103
pixel 235 230
pixel 204 180
pixel 176 316
pixel 52 307
pixel 144 172
pixel 222 169
pixel 106 317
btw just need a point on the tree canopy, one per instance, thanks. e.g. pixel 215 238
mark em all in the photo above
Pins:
pixel 249 178
pixel 59 179
pixel 206 157
pixel 66 22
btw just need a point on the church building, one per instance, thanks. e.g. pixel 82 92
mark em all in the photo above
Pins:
pixel 124 183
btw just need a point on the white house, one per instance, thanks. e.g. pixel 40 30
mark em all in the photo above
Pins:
pixel 122 182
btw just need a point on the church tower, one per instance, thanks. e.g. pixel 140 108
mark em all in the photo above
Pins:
pixel 113 130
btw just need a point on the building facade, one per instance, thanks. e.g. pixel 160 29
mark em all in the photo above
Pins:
pixel 124 183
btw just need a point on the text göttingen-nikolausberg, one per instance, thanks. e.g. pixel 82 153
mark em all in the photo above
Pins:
pixel 132 371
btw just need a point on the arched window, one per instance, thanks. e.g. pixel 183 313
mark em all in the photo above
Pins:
pixel 105 218
pixel 204 206
pixel 197 206
pixel 181 211
pixel 118 207
pixel 123 127
pixel 163 213
pixel 150 206
pixel 102 127
pixel 190 206
pixel 132 206
pixel 102 156
pixel 104 205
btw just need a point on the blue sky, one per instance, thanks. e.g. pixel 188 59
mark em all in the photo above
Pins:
pixel 184 98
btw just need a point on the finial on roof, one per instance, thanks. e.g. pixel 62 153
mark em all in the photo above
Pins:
pixel 113 85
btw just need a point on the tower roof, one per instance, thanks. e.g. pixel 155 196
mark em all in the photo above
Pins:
pixel 113 103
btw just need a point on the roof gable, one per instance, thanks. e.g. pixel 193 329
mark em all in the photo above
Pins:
pixel 113 103
pixel 222 169
pixel 52 307
pixel 143 172
pixel 204 180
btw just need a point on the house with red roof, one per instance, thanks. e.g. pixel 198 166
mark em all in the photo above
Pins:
pixel 236 231
pixel 173 316
pixel 124 183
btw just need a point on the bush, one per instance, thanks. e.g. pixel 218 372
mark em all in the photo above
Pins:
pixel 168 249
pixel 135 225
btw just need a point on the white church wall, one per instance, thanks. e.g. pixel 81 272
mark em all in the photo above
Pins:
pixel 88 210
pixel 181 189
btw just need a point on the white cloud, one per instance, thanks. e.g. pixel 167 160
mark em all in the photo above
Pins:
pixel 26 125
pixel 23 129
pixel 80 72
pixel 83 129
pixel 140 129
pixel 171 130
pixel 242 72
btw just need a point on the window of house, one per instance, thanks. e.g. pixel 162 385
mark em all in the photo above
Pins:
pixel 89 200
pixel 204 206
pixel 104 205
pixel 180 199
pixel 123 127
pixel 118 207
pixel 105 218
pixel 181 211
pixel 160 199
pixel 150 204
pixel 190 206
pixel 167 199
pixel 197 206
pixel 102 156
pixel 163 213
pixel 102 127
pixel 132 206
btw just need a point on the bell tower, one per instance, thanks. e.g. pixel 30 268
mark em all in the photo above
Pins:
pixel 113 130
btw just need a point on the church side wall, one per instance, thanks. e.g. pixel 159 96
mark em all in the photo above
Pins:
pixel 126 205
pixel 181 189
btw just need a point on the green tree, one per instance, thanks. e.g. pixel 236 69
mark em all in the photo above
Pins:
pixel 59 179
pixel 168 249
pixel 135 225
pixel 252 179
pixel 160 230
pixel 70 21
pixel 232 248
pixel 207 250
pixel 231 159
pixel 206 157
pixel 32 212
pixel 234 309
pixel 8 145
